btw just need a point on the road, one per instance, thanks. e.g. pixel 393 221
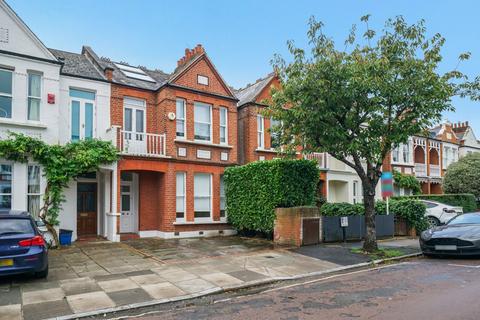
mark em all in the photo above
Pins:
pixel 416 289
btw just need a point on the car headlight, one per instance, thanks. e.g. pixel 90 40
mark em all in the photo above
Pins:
pixel 426 235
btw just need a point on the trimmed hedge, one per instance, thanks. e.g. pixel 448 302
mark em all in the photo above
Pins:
pixel 254 190
pixel 465 200
pixel 410 209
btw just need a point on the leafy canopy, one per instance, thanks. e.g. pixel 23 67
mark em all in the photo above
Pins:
pixel 360 101
pixel 463 176
pixel 60 164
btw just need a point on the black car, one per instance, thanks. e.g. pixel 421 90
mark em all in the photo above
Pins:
pixel 22 246
pixel 460 236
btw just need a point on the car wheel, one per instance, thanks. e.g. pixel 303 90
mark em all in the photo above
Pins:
pixel 42 274
pixel 433 222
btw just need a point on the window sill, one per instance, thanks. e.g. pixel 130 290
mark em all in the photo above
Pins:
pixel 200 143
pixel 7 122
pixel 267 150
pixel 182 223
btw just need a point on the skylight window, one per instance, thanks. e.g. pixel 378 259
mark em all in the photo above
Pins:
pixel 134 73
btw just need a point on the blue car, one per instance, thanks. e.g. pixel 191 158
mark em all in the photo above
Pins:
pixel 22 246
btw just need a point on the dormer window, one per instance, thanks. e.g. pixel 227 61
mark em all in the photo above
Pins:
pixel 202 80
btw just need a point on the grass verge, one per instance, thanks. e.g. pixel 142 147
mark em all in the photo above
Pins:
pixel 380 253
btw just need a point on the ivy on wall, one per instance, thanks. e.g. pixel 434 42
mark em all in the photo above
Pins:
pixel 407 182
pixel 60 164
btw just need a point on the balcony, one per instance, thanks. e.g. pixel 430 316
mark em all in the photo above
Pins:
pixel 420 170
pixel 435 170
pixel 320 158
pixel 140 144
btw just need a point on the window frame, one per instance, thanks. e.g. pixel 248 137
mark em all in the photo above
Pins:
pixel 184 174
pixel 11 182
pixel 29 97
pixel 82 101
pixel 33 194
pixel 260 133
pixel 200 122
pixel 272 135
pixel 177 118
pixel 9 95
pixel 203 219
pixel 223 126
pixel 222 182
pixel 201 76
pixel 130 135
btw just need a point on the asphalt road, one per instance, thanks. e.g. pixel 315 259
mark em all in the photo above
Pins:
pixel 416 289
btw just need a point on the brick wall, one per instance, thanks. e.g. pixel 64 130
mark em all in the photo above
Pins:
pixel 288 224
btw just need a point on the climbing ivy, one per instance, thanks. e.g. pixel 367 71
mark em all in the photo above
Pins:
pixel 60 163
pixel 407 182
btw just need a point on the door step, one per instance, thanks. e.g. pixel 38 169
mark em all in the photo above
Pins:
pixel 129 236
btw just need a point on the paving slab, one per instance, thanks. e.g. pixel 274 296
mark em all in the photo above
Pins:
pixel 117 285
pixel 247 275
pixel 45 295
pixel 90 301
pixel 163 290
pixel 10 295
pixel 129 296
pixel 178 275
pixel 147 279
pixel 222 279
pixel 79 285
pixel 46 310
pixel 11 312
pixel 194 285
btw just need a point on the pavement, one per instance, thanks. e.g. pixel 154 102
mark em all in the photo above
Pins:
pixel 420 288
pixel 90 277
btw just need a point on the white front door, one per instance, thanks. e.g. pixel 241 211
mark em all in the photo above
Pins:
pixel 127 210
pixel 134 126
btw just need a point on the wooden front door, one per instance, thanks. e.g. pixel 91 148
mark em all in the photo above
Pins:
pixel 86 209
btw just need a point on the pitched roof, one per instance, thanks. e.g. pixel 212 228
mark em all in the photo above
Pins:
pixel 250 92
pixel 78 65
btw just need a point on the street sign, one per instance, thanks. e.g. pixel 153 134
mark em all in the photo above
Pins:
pixel 387 184
pixel 343 222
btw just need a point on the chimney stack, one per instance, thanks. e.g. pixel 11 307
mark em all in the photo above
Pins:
pixel 189 54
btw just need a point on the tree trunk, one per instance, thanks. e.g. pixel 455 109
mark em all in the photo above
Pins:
pixel 52 230
pixel 370 244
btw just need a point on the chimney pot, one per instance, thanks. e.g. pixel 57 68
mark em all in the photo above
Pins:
pixel 466 123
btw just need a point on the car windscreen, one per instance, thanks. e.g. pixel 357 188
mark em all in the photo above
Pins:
pixel 15 226
pixel 465 219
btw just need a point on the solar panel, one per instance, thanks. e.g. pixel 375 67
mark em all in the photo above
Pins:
pixel 134 73
pixel 129 68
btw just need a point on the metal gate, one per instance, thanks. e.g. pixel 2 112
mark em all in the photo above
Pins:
pixel 310 231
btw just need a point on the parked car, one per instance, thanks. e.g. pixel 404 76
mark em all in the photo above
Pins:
pixel 460 236
pixel 440 213
pixel 22 246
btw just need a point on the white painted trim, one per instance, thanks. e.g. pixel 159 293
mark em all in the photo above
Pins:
pixel 186 234
pixel 206 143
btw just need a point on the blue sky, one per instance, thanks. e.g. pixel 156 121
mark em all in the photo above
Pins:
pixel 242 36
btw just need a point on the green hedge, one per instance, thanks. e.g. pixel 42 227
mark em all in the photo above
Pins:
pixel 465 200
pixel 254 190
pixel 412 210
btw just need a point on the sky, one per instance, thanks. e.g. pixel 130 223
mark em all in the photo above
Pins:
pixel 241 37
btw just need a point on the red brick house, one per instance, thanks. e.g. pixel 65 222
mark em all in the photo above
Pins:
pixel 176 134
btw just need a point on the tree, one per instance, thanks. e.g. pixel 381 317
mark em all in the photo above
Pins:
pixel 360 102
pixel 463 176
pixel 60 163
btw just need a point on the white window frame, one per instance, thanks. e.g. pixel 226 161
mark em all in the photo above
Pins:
pixel 222 178
pixel 3 94
pixel 203 80
pixel 223 126
pixel 39 193
pixel 203 219
pixel 134 107
pixel 200 122
pixel 30 72
pixel 181 119
pixel 184 196
pixel 11 183
pixel 271 131
pixel 260 132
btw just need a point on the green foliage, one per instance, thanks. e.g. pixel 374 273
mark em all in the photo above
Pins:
pixel 407 182
pixel 254 190
pixel 360 99
pixel 463 176
pixel 465 200
pixel 60 164
pixel 410 209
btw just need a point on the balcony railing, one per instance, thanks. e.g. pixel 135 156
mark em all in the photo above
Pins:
pixel 435 170
pixel 319 157
pixel 420 170
pixel 140 143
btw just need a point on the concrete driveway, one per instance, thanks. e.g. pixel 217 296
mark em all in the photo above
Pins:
pixel 100 275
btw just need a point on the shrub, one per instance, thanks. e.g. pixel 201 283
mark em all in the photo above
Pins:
pixel 411 210
pixel 407 181
pixel 463 176
pixel 254 190
pixel 465 200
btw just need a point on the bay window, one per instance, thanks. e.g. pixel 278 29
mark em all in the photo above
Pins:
pixel 223 125
pixel 180 116
pixel 202 196
pixel 180 196
pixel 33 190
pixel 34 96
pixel 6 80
pixel 203 121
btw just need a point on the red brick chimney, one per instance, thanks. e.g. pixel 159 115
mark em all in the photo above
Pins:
pixel 190 54
pixel 108 73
